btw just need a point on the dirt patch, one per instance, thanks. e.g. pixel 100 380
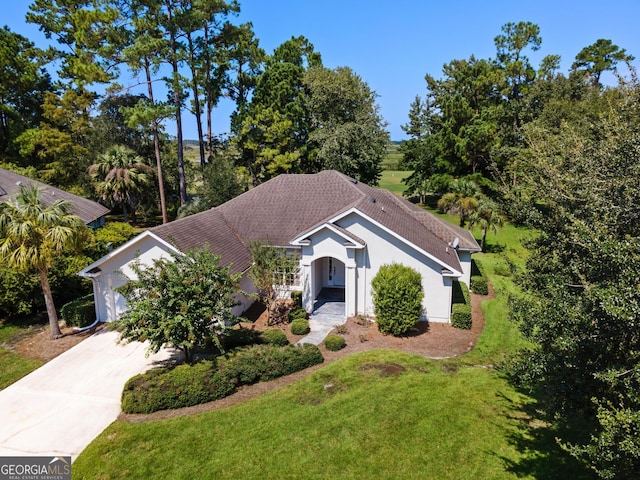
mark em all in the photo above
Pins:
pixel 36 343
pixel 385 370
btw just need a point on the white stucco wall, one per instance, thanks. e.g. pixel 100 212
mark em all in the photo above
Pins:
pixel 465 261
pixel 383 248
pixel 246 285
pixel 116 271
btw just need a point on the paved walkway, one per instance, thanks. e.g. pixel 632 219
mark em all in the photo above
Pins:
pixel 58 409
pixel 329 311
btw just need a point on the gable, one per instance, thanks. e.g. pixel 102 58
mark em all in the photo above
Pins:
pixel 144 247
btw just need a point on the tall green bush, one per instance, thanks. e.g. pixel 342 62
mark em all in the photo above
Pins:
pixel 79 312
pixel 397 298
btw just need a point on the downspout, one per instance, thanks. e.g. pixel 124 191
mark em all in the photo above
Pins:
pixel 97 321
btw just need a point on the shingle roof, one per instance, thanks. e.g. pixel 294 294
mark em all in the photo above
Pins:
pixel 287 206
pixel 86 209
pixel 207 228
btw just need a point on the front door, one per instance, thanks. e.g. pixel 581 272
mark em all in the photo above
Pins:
pixel 335 273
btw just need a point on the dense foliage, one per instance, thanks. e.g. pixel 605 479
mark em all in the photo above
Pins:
pixel 469 122
pixel 181 301
pixel 397 298
pixel 581 301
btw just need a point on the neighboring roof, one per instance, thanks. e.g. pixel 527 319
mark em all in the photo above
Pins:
pixel 291 205
pixel 86 209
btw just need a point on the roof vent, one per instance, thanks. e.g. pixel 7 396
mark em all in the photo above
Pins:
pixel 353 180
pixel 18 183
pixel 371 199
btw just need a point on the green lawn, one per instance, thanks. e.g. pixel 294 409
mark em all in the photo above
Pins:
pixel 13 366
pixel 392 180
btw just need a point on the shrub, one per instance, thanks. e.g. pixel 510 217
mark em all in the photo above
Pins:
pixel 397 298
pixel 460 293
pixel 182 386
pixel 334 342
pixel 297 313
pixel 296 296
pixel 300 326
pixel 274 336
pixel 266 362
pixel 461 316
pixel 79 312
pixel 239 337
pixel 479 285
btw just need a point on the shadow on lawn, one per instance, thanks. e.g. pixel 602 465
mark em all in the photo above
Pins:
pixel 537 439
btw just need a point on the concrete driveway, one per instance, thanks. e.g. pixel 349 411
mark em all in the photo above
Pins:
pixel 58 409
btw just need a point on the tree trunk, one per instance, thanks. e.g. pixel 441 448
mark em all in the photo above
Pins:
pixel 187 354
pixel 156 145
pixel 484 238
pixel 207 90
pixel 196 100
pixel 182 180
pixel 51 308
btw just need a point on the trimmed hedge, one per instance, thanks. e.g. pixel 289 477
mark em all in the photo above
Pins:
pixel 479 285
pixel 187 385
pixel 300 326
pixel 335 342
pixel 461 293
pixel 265 362
pixel 297 313
pixel 80 312
pixel 274 336
pixel 461 316
pixel 182 386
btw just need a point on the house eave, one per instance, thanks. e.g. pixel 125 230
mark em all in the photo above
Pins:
pixel 349 240
pixel 85 272
pixel 455 272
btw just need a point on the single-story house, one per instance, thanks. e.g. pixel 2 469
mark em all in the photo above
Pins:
pixel 90 212
pixel 341 229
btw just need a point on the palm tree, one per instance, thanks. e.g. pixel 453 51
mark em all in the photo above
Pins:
pixel 121 177
pixel 486 216
pixel 462 199
pixel 32 235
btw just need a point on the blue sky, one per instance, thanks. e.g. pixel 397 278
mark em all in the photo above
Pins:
pixel 392 45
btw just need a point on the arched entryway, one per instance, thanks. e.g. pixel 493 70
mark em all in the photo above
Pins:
pixel 328 286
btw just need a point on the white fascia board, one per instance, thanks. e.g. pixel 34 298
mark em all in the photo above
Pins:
pixel 301 239
pixel 455 272
pixel 121 248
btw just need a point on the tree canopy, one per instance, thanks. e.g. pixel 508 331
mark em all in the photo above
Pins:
pixel 181 301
